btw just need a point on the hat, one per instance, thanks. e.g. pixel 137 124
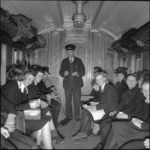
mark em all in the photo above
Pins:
pixel 46 69
pixel 122 70
pixel 70 47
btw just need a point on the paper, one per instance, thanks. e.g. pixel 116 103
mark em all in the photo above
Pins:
pixel 97 114
pixel 94 103
pixel 86 106
pixel 86 97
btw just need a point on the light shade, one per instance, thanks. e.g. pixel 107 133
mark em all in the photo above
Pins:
pixel 79 20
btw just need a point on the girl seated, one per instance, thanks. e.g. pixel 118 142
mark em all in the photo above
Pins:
pixel 16 91
pixel 137 128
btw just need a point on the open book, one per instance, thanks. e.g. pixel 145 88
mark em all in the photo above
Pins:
pixel 97 114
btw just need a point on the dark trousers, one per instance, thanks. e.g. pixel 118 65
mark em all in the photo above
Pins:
pixel 86 121
pixel 74 92
pixel 18 140
pixel 105 127
pixel 55 110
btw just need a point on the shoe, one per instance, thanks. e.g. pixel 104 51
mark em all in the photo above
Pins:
pixel 91 133
pixel 57 140
pixel 59 134
pixel 78 120
pixel 79 135
pixel 76 133
pixel 78 141
pixel 98 146
pixel 65 121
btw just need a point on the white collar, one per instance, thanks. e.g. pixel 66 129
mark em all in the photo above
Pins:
pixel 71 59
pixel 147 101
pixel 21 86
pixel 35 82
pixel 102 88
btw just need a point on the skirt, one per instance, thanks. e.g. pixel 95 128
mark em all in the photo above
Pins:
pixel 34 125
pixel 127 131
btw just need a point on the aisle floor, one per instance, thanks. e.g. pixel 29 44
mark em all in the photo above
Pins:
pixel 68 131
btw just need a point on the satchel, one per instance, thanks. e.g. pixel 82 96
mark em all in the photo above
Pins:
pixel 20 122
pixel 32 114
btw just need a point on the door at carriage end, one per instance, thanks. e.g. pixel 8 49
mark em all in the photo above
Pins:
pixel 83 52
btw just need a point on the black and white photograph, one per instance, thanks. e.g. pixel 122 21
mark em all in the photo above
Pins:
pixel 74 74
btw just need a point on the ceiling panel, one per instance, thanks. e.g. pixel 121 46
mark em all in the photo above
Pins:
pixel 115 17
pixel 125 15
pixel 90 10
pixel 36 10
pixel 68 9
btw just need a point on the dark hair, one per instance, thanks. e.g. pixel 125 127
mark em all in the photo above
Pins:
pixel 17 72
pixel 104 74
pixel 37 68
pixel 46 69
pixel 121 70
pixel 145 74
pixel 98 69
pixel 31 71
pixel 133 75
pixel 145 81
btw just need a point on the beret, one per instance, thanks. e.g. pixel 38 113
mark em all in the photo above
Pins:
pixel 70 47
pixel 46 69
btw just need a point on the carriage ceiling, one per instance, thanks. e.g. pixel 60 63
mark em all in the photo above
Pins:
pixel 113 17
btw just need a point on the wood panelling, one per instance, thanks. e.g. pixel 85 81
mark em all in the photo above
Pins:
pixel 3 63
pixel 9 56
pixel 145 60
pixel 108 57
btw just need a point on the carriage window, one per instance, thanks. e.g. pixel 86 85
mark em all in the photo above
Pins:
pixel 3 63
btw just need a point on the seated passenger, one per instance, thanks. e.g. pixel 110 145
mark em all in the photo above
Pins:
pixel 54 101
pixel 137 144
pixel 109 101
pixel 142 75
pixel 95 93
pixel 16 92
pixel 129 102
pixel 96 70
pixel 38 90
pixel 137 128
pixel 121 78
pixel 12 138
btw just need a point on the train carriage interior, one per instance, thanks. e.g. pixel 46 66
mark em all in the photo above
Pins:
pixel 43 35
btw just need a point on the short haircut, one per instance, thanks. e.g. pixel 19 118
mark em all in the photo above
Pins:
pixel 17 72
pixel 104 74
pixel 37 69
pixel 31 71
pixel 133 75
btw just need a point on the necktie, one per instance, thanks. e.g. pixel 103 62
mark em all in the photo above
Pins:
pixel 71 60
pixel 25 90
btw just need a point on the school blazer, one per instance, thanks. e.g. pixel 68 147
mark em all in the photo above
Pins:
pixel 109 99
pixel 12 98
